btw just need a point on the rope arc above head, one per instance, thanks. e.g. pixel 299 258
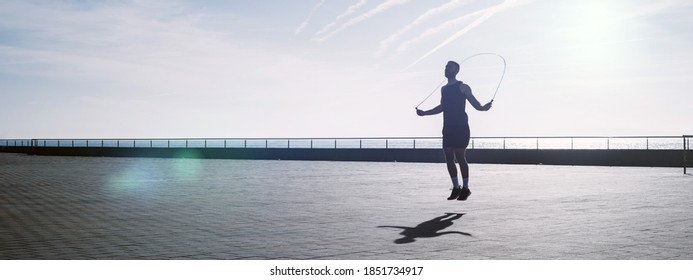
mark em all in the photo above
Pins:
pixel 465 59
pixel 502 75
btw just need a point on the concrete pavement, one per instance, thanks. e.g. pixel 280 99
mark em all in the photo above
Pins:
pixel 148 208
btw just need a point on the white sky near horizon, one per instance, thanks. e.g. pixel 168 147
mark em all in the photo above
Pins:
pixel 122 69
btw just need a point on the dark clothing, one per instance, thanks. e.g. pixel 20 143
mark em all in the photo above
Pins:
pixel 455 121
pixel 453 101
pixel 456 137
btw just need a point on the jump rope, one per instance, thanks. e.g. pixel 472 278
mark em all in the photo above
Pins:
pixel 460 63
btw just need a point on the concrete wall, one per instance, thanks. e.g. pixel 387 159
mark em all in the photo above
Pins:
pixel 655 158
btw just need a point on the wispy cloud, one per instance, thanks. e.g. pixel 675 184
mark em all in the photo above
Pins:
pixel 432 13
pixel 139 48
pixel 486 14
pixel 443 27
pixel 352 9
pixel 388 4
pixel 305 22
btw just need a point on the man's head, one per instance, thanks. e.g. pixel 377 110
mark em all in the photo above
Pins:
pixel 451 69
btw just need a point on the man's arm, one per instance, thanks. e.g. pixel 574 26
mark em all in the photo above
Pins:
pixel 437 110
pixel 472 99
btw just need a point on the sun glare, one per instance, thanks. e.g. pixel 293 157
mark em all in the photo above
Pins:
pixel 597 36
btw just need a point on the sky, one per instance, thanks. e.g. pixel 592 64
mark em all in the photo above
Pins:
pixel 320 68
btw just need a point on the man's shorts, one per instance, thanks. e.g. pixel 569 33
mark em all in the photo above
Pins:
pixel 456 137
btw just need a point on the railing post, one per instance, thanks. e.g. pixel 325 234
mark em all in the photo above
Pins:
pixel 685 151
pixel 503 143
pixel 414 143
pixel 186 143
pixel 537 143
pixel 224 143
pixel 311 143
pixel 647 143
pixel 360 143
pixel 572 147
pixel 151 143
pixel 266 144
pixel 245 143
pixel 205 143
pixel 335 143
pixel 387 143
pixel 608 142
pixel 168 143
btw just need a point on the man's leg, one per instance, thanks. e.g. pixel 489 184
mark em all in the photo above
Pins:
pixel 450 161
pixel 452 170
pixel 464 169
pixel 462 160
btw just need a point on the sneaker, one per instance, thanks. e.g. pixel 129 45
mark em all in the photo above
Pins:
pixel 464 194
pixel 455 193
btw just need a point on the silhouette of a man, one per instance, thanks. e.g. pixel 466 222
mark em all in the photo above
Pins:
pixel 456 133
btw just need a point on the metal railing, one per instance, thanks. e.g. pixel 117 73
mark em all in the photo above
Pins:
pixel 15 142
pixel 687 157
pixel 538 143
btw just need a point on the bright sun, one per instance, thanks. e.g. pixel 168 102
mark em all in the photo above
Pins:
pixel 597 36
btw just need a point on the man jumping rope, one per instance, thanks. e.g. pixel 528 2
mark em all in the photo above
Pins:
pixel 456 127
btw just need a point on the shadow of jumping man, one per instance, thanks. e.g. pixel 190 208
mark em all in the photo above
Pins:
pixel 430 228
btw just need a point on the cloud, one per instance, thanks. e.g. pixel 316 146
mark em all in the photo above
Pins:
pixel 348 12
pixel 120 65
pixel 485 15
pixel 130 51
pixel 352 8
pixel 443 27
pixel 432 13
pixel 388 4
pixel 312 12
